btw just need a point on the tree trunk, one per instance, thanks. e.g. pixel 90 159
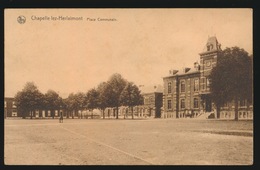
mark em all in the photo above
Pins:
pixel 236 109
pixel 23 114
pixel 31 114
pixel 218 111
pixel 103 110
pixel 40 113
pixel 116 112
pixel 52 113
pixel 132 109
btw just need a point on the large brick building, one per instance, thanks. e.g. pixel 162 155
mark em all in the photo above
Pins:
pixel 186 91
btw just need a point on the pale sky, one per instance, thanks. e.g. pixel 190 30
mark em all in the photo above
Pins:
pixel 141 45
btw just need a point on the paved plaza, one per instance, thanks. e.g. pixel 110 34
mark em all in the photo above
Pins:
pixel 128 142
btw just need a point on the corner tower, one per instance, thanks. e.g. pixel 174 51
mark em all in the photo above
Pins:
pixel 208 57
pixel 208 60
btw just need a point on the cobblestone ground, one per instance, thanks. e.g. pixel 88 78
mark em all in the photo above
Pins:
pixel 128 142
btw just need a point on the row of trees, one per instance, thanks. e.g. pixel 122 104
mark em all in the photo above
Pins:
pixel 116 92
pixel 230 81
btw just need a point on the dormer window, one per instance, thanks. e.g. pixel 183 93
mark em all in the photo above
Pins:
pixel 208 47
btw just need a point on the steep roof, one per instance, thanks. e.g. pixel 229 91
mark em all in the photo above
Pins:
pixel 212 45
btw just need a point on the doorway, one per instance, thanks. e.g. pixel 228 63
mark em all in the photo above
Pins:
pixel 208 105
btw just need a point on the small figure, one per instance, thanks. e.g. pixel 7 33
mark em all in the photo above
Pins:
pixel 61 118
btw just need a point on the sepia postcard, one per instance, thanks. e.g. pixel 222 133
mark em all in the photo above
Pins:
pixel 112 86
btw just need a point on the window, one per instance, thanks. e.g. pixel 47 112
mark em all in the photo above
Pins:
pixel 182 103
pixel 146 100
pixel 196 85
pixel 208 82
pixel 151 100
pixel 182 86
pixel 169 104
pixel 203 85
pixel 208 47
pixel 5 104
pixel 169 87
pixel 196 103
pixel 14 105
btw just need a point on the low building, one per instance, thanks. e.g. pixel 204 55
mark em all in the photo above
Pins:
pixel 10 109
pixel 153 98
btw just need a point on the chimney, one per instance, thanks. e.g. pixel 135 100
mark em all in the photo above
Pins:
pixel 196 65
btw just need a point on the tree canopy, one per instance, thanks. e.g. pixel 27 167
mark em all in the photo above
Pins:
pixel 92 99
pixel 112 93
pixel 113 89
pixel 130 96
pixel 52 101
pixel 232 78
pixel 29 99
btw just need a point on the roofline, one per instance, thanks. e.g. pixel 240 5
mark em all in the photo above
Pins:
pixel 194 72
pixel 209 52
pixel 177 75
pixel 151 93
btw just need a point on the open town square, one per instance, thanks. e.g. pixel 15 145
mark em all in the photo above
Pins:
pixel 121 141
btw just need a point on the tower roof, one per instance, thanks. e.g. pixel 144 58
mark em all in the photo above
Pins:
pixel 212 45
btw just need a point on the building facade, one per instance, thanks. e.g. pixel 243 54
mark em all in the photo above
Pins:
pixel 153 101
pixel 10 109
pixel 186 92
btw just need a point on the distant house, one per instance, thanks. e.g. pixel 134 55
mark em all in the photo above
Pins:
pixel 153 96
pixel 187 92
pixel 10 109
